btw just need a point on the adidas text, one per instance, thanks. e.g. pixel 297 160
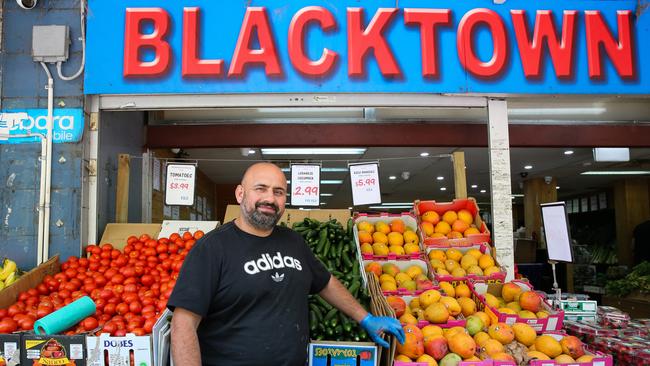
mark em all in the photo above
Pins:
pixel 267 263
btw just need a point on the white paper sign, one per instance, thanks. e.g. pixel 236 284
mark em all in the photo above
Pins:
pixel 556 232
pixel 179 189
pixel 305 185
pixel 365 184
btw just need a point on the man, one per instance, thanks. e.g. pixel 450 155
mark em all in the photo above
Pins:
pixel 241 295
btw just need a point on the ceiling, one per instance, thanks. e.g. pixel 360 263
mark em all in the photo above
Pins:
pixel 225 166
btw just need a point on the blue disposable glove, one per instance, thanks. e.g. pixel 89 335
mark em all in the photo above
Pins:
pixel 375 325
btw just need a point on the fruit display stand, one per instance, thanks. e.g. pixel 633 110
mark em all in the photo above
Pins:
pixel 440 208
pixel 485 249
pixel 409 223
pixel 553 322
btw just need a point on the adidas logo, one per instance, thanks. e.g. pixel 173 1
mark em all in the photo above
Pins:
pixel 267 263
pixel 277 277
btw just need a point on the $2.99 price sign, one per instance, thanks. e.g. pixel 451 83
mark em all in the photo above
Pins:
pixel 305 185
pixel 365 183
pixel 179 187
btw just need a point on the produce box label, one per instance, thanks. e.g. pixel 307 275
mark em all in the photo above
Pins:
pixel 9 349
pixel 44 350
pixel 580 306
pixel 345 354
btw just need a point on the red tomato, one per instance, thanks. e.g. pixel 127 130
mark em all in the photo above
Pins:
pixel 161 248
pixel 109 309
pixel 174 236
pixel 119 333
pixel 118 278
pixel 189 244
pixel 109 327
pixel 173 248
pixel 198 234
pixel 132 239
pixel 83 262
pixel 8 325
pixel 147 280
pixel 144 237
pixel 27 323
pixel 187 235
pixel 122 308
pixel 90 249
pixel 135 307
pixel 107 247
pixel 3 313
pixel 148 324
pixel 89 323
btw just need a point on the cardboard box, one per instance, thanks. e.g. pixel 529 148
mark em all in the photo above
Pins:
pixel 119 350
pixel 10 349
pixel 554 321
pixel 579 306
pixel 31 279
pixel 117 234
pixel 409 221
pixel 325 353
pixel 458 204
pixel 292 215
pixel 53 350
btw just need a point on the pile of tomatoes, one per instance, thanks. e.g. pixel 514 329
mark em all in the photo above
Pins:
pixel 130 287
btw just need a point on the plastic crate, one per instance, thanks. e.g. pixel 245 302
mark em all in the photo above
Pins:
pixel 554 321
pixel 409 220
pixel 469 204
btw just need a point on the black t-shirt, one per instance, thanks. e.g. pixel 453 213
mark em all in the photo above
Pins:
pixel 251 293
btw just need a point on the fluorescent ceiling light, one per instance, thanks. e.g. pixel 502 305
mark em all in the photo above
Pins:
pixel 443 188
pixel 424 154
pixel 517 195
pixel 251 151
pixel 383 207
pixel 440 178
pixel 313 151
pixel 474 186
pixel 568 152
pixel 556 111
pixel 528 167
pixel 392 177
pixel 349 208
pixel 483 191
pixel 326 181
pixel 557 187
pixel 324 170
pixel 616 172
pixel 326 194
pixel 323 203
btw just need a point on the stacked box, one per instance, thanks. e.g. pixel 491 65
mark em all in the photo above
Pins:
pixel 469 204
pixel 119 350
pixel 485 248
pixel 9 349
pixel 553 322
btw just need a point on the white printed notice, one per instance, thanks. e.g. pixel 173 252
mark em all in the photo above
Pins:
pixel 179 188
pixel 556 232
pixel 305 185
pixel 365 184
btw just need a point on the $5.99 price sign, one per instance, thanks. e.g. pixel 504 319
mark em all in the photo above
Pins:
pixel 179 188
pixel 305 185
pixel 365 183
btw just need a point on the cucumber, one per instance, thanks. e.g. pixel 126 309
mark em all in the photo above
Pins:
pixel 323 303
pixel 330 314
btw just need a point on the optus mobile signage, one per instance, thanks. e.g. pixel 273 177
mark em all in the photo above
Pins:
pixel 473 46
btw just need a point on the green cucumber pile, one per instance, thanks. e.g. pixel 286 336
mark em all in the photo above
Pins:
pixel 335 247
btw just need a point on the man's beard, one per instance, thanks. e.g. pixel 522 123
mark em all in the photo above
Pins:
pixel 261 220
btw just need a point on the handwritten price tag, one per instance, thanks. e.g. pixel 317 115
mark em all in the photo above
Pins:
pixel 305 185
pixel 365 184
pixel 180 185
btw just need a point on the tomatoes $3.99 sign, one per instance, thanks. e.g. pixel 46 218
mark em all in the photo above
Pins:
pixel 179 189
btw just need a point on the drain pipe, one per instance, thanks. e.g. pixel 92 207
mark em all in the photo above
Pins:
pixel 41 197
pixel 48 164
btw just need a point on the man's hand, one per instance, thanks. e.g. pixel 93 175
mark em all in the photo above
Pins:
pixel 376 325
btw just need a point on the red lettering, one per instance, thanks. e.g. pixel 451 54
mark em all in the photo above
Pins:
pixel 360 41
pixel 255 19
pixel 466 54
pixel 297 37
pixel 192 64
pixel 134 41
pixel 619 51
pixel 428 19
pixel 531 50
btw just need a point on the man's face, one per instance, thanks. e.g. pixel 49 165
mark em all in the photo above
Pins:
pixel 263 197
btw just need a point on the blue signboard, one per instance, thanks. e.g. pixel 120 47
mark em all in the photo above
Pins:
pixel 68 125
pixel 336 46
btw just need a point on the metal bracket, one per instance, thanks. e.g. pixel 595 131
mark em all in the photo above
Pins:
pixel 94 121
pixel 92 167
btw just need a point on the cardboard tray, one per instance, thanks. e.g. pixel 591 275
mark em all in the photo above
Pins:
pixel 402 264
pixel 409 220
pixel 485 248
pixel 420 207
pixel 31 279
pixel 554 322
pixel 459 322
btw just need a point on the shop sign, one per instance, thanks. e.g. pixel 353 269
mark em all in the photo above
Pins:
pixel 179 189
pixel 364 179
pixel 305 185
pixel 473 46
pixel 68 125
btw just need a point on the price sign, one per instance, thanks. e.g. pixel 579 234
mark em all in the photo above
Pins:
pixel 180 184
pixel 305 185
pixel 365 184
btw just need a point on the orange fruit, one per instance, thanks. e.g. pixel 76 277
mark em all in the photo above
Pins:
pixel 443 228
pixel 366 226
pixel 395 238
pixel 397 226
pixel 449 217
pixel 460 226
pixel 454 235
pixel 466 216
pixel 431 217
pixel 382 227
pixel 471 231
pixel 427 228
pixel 379 237
pixel 365 237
